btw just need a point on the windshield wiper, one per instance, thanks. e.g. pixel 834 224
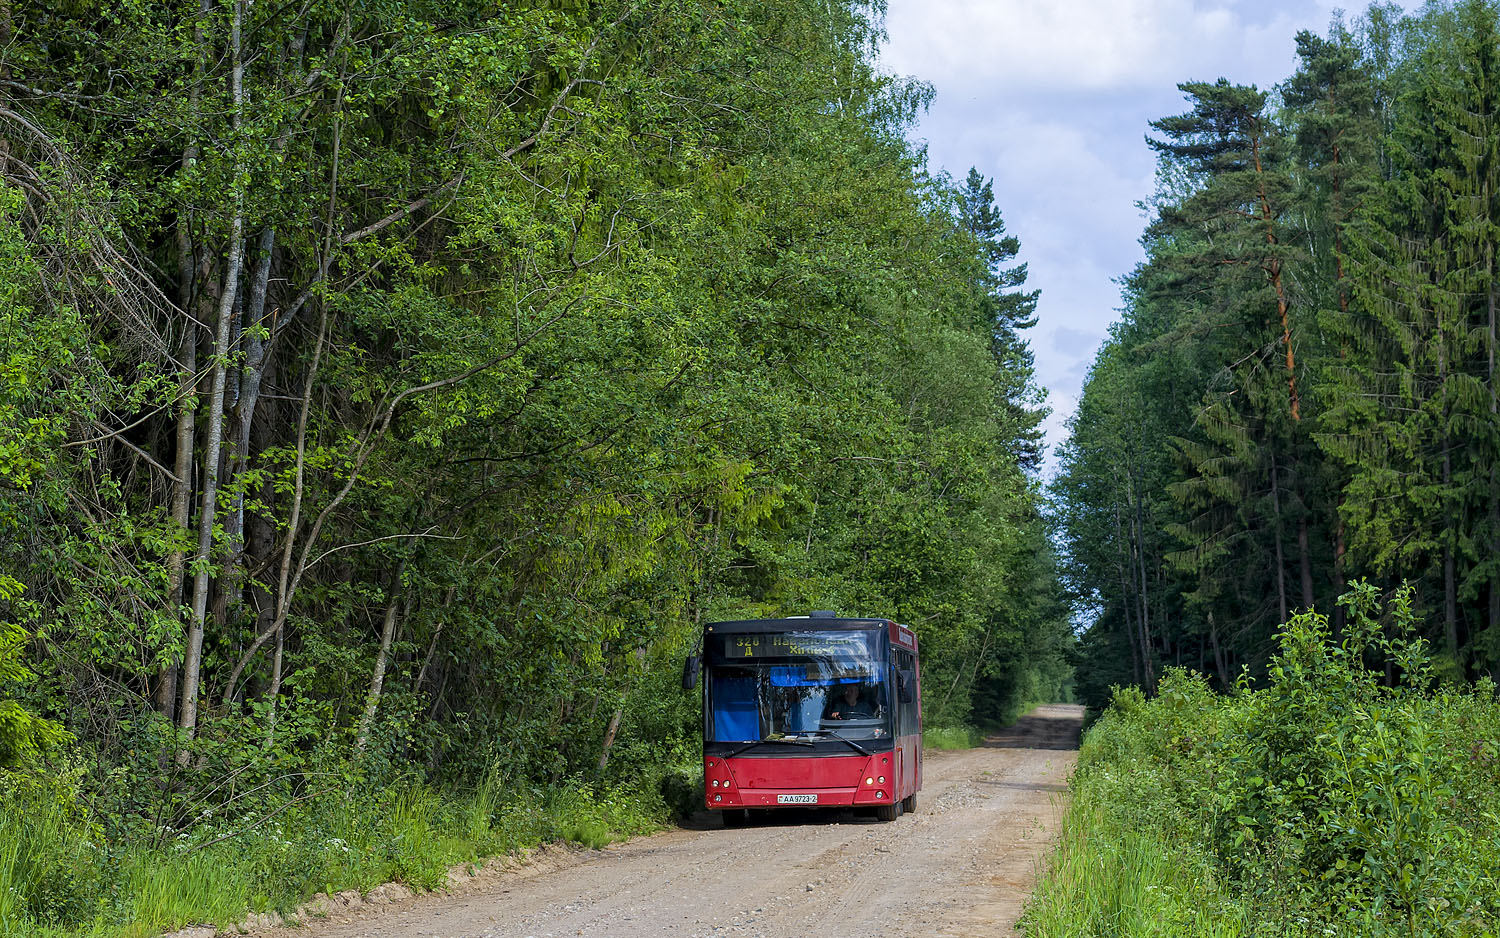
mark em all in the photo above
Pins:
pixel 844 739
pixel 767 742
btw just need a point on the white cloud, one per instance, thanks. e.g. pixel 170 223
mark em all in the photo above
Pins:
pixel 1073 45
pixel 1051 98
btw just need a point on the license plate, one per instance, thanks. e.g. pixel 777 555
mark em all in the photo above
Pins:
pixel 796 799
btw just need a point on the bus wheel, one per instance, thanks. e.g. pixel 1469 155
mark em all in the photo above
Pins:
pixel 909 804
pixel 735 817
pixel 888 812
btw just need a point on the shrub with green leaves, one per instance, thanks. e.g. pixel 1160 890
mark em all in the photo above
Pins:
pixel 1351 795
pixel 23 734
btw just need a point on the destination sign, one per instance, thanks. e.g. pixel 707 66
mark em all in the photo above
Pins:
pixel 795 645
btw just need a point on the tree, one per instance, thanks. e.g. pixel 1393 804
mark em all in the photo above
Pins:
pixel 1006 310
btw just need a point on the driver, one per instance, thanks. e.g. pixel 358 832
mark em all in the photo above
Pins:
pixel 850 704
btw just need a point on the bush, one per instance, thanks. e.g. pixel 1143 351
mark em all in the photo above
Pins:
pixel 1324 803
pixel 682 791
pixel 24 736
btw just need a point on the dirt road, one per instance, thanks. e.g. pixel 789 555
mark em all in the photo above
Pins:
pixel 960 866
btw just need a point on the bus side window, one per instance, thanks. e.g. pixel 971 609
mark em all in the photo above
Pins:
pixel 906 663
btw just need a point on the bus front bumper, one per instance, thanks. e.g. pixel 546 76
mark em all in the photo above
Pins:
pixel 796 798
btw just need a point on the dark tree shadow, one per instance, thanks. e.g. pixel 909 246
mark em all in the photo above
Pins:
pixel 1039 731
pixel 782 817
pixel 1022 786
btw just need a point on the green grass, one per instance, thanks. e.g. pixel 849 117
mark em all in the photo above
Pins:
pixel 951 737
pixel 60 877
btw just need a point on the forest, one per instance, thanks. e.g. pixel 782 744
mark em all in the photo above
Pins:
pixel 1301 391
pixel 390 391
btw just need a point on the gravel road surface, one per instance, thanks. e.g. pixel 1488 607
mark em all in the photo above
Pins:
pixel 962 865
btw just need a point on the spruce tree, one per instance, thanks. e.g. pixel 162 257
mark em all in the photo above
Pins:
pixel 1422 438
pixel 1006 310
pixel 1330 103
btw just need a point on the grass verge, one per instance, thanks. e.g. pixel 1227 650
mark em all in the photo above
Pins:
pixel 61 877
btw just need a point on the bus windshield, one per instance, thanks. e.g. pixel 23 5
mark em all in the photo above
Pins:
pixel 797 686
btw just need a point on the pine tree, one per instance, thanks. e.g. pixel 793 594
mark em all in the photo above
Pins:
pixel 1006 309
pixel 1232 251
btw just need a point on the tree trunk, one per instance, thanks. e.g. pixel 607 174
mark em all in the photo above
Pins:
pixel 1276 528
pixel 1494 426
pixel 640 662
pixel 1220 661
pixel 1338 234
pixel 1339 548
pixel 273 695
pixel 1273 270
pixel 226 598
pixel 1304 551
pixel 6 34
pixel 251 334
pixel 1450 577
pixel 377 677
pixel 284 585
pixel 246 385
pixel 187 386
pixel 1145 619
pixel 1339 543
pixel 166 688
pixel 609 736
pixel 1127 601
pixel 437 633
pixel 193 659
pixel 1446 519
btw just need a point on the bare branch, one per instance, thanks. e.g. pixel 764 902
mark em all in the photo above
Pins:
pixel 410 208
pixel 376 540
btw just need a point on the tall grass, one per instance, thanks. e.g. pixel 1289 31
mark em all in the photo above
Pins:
pixel 61 877
pixel 1108 879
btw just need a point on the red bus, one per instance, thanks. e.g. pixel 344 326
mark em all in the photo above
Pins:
pixel 810 711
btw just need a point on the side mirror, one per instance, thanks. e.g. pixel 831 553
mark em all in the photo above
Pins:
pixel 690 669
pixel 905 682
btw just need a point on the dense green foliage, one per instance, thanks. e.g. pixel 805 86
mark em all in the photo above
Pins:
pixel 393 390
pixel 1302 390
pixel 1327 802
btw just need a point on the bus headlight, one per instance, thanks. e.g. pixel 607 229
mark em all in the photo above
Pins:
pixel 882 779
pixel 718 797
pixel 880 794
pixel 871 781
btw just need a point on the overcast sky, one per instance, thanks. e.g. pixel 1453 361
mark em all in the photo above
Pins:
pixel 1051 99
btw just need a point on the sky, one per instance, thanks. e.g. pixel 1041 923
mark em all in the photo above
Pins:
pixel 1051 99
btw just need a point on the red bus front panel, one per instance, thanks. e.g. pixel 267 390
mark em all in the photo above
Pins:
pixel 820 781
